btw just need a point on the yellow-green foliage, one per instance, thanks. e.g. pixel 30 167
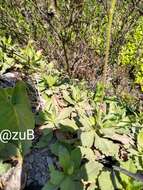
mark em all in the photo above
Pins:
pixel 132 51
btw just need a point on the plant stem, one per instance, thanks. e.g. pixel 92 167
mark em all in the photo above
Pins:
pixel 108 42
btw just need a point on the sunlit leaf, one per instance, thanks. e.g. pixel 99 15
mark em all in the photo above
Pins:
pixel 106 146
pixel 87 138
pixel 15 112
pixel 105 182
pixel 140 140
pixel 91 170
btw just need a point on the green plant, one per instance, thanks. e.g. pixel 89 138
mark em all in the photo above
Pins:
pixel 131 53
pixel 85 132
pixel 6 60
pixel 27 59
pixel 70 162
pixel 80 123
pixel 15 116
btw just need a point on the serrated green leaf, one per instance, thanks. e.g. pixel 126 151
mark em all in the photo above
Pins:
pixel 87 153
pixel 130 166
pixel 87 138
pixel 55 148
pixel 91 170
pixel 8 150
pixel 76 95
pixel 76 157
pixel 105 182
pixel 134 185
pixel 56 177
pixel 106 146
pixel 69 184
pixel 85 121
pixel 140 140
pixel 67 98
pixel 64 159
pixel 65 113
pixel 44 140
pixel 51 80
pixel 49 186
pixel 68 125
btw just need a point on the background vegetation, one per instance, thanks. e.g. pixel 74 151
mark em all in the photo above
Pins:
pixel 82 63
